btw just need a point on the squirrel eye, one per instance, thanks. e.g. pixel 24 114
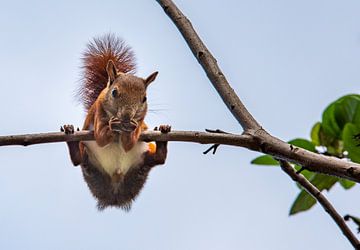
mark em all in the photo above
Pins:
pixel 114 93
pixel 144 100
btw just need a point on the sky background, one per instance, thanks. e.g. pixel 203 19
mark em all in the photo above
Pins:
pixel 287 60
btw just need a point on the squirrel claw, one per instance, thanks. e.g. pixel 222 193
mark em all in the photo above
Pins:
pixel 67 129
pixel 115 125
pixel 165 128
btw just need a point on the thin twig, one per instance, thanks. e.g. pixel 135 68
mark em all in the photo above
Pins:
pixel 356 220
pixel 216 131
pixel 214 147
pixel 316 193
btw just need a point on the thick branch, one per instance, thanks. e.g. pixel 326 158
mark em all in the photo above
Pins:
pixel 209 64
pixel 313 191
pixel 314 162
pixel 266 143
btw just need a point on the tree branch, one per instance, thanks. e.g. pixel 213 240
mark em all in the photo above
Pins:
pixel 209 64
pixel 316 193
pixel 309 160
pixel 254 136
pixel 254 140
pixel 186 136
pixel 267 143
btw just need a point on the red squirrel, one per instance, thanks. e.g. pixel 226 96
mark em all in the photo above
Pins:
pixel 115 166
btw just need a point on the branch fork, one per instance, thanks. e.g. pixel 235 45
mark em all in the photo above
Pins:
pixel 266 143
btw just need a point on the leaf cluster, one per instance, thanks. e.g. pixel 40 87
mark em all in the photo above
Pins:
pixel 335 135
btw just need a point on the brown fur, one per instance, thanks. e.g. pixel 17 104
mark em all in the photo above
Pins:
pixel 121 191
pixel 95 58
pixel 116 107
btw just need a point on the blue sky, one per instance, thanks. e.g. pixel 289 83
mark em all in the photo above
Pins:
pixel 286 59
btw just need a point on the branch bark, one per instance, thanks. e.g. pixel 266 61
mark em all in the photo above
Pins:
pixel 267 143
pixel 254 136
pixel 314 162
pixel 316 193
pixel 254 140
pixel 185 136
pixel 209 64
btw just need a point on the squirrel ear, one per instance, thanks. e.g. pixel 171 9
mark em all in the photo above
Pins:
pixel 150 78
pixel 111 71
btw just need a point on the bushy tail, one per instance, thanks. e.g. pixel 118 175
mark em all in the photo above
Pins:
pixel 95 58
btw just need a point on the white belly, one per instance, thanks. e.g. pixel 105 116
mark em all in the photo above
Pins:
pixel 113 158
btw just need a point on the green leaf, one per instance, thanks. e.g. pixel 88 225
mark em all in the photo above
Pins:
pixel 265 160
pixel 315 138
pixel 329 123
pixel 303 143
pixel 344 110
pixel 327 140
pixel 304 201
pixel 346 183
pixel 347 109
pixel 350 143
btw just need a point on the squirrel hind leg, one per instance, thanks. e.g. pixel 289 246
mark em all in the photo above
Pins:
pixel 73 146
pixel 159 156
pixel 74 150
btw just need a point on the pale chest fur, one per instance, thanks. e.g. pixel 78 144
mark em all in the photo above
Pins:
pixel 113 158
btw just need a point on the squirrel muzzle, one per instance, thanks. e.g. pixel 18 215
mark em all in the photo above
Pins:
pixel 128 126
pixel 123 125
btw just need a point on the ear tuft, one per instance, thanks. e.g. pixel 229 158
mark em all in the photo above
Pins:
pixel 111 71
pixel 150 78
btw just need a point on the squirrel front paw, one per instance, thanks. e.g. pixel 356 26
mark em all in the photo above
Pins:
pixel 115 124
pixel 122 127
pixel 164 129
pixel 67 129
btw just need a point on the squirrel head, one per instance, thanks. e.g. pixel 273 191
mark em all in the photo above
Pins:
pixel 125 98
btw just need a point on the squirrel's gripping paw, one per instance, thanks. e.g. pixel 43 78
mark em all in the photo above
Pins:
pixel 164 128
pixel 115 124
pixel 67 129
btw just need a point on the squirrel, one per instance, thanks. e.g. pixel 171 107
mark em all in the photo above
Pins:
pixel 115 166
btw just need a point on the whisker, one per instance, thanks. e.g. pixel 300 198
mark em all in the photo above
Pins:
pixel 157 110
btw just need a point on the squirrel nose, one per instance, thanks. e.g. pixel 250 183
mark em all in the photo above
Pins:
pixel 125 117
